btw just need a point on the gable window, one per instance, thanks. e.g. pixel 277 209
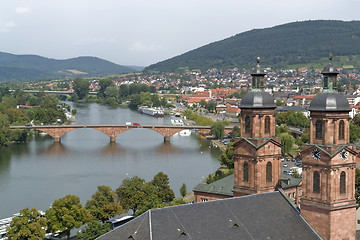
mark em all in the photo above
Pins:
pixel 246 172
pixel 267 124
pixel 268 172
pixel 318 129
pixel 342 182
pixel 247 124
pixel 341 130
pixel 316 182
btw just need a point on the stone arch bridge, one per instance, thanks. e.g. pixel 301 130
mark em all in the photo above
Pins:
pixel 112 131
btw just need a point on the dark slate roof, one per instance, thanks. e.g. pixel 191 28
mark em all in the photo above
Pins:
pixel 257 100
pixel 289 181
pixel 258 142
pixel 258 216
pixel 329 102
pixel 330 69
pixel 222 186
pixel 291 108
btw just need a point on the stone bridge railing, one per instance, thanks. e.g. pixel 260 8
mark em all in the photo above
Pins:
pixel 57 131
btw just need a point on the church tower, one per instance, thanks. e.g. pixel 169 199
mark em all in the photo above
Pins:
pixel 328 191
pixel 257 153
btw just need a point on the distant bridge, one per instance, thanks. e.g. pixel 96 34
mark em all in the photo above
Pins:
pixel 112 131
pixel 52 92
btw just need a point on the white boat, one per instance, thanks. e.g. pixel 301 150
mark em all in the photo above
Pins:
pixel 155 112
pixel 177 122
pixel 185 132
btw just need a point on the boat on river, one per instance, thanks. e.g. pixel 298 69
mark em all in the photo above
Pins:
pixel 185 132
pixel 155 112
pixel 177 121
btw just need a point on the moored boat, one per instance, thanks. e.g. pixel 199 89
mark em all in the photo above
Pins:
pixel 155 112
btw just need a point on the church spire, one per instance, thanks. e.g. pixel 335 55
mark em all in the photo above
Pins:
pixel 330 74
pixel 258 77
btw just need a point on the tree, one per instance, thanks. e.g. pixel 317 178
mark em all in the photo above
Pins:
pixel 65 214
pixel 357 186
pixel 27 226
pixel 227 158
pixel 151 199
pixel 236 132
pixel 4 130
pixel 81 87
pixel 292 118
pixel 354 132
pixel 104 84
pixel 218 130
pixel 103 204
pixel 183 190
pixel 296 174
pixel 287 142
pixel 279 102
pixel 211 107
pixel 93 230
pixel 131 193
pixel 163 190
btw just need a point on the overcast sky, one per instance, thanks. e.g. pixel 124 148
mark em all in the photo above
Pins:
pixel 143 32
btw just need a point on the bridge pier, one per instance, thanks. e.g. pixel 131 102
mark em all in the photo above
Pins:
pixel 167 139
pixel 112 138
pixel 57 139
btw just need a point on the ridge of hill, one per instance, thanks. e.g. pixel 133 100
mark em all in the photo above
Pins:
pixel 34 67
pixel 281 46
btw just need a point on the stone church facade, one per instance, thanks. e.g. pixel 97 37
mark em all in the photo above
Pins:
pixel 326 194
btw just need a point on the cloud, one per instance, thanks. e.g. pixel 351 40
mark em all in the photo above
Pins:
pixel 92 40
pixel 140 47
pixel 5 27
pixel 22 10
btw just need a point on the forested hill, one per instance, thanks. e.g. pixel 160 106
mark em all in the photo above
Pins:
pixel 279 46
pixel 33 67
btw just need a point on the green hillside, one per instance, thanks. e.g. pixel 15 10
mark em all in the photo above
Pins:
pixel 33 67
pixel 292 44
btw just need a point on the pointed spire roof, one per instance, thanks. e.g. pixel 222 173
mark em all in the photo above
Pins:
pixel 330 100
pixel 257 98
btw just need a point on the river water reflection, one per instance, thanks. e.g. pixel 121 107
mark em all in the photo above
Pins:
pixel 36 173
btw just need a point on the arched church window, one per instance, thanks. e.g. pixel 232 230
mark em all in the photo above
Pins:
pixel 316 182
pixel 341 130
pixel 267 124
pixel 342 182
pixel 246 172
pixel 318 129
pixel 268 172
pixel 247 124
pixel 326 82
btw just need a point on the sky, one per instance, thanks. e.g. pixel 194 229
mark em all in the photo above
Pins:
pixel 144 32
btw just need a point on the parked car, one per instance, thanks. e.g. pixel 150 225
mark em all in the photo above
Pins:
pixel 285 165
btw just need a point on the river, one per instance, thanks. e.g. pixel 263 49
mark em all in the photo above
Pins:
pixel 35 174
